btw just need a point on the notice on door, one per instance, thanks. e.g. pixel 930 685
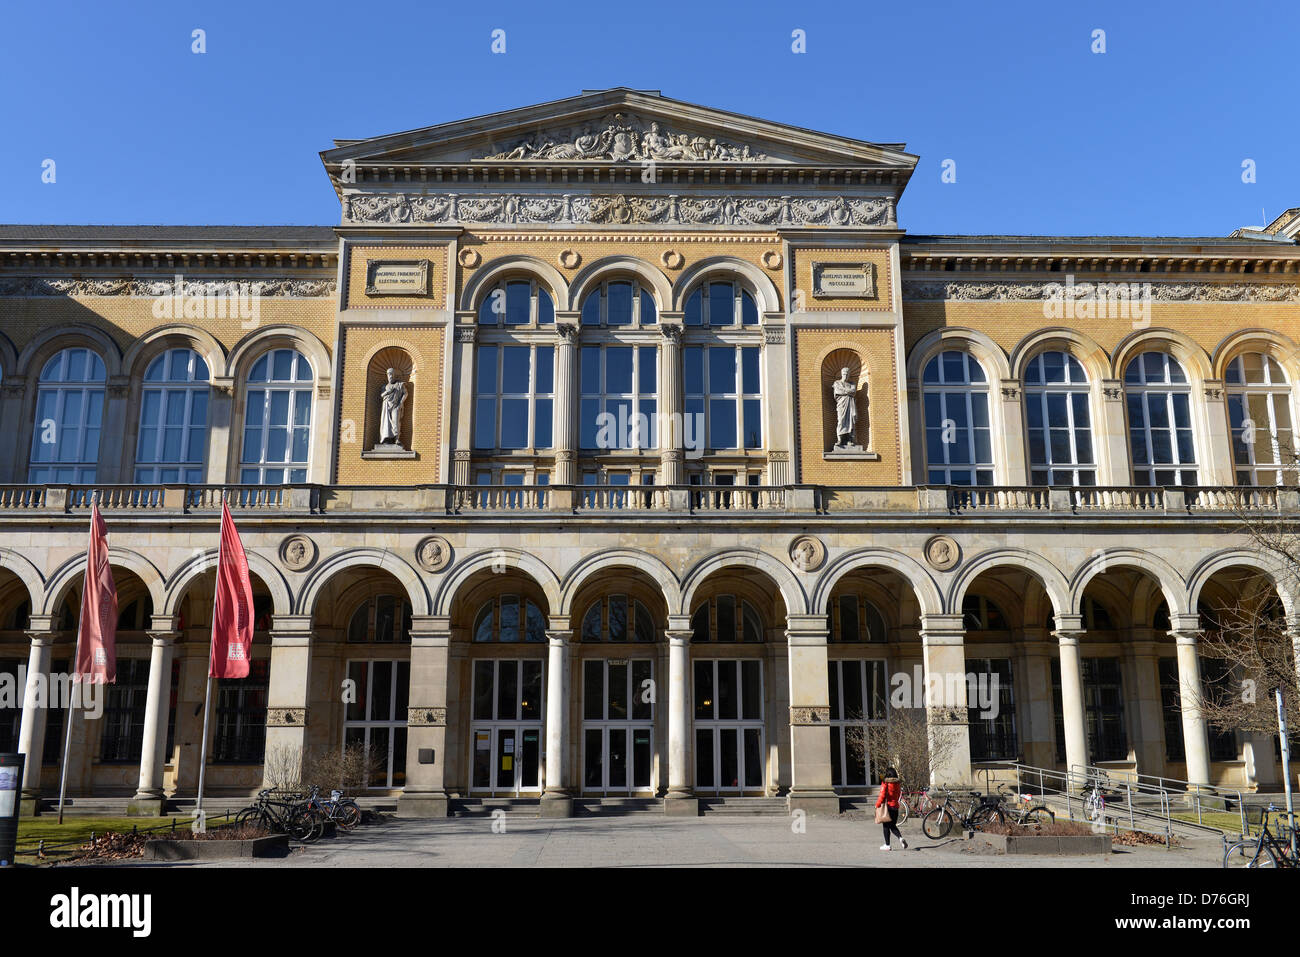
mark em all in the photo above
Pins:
pixel 508 746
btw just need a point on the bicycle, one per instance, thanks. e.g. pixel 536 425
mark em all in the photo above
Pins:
pixel 1023 811
pixel 1266 850
pixel 284 816
pixel 1095 796
pixel 344 812
pixel 915 803
pixel 982 811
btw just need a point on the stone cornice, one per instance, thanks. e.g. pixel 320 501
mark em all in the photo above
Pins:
pixel 1255 260
pixel 41 287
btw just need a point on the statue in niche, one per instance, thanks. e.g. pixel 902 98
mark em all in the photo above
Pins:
pixel 391 399
pixel 846 411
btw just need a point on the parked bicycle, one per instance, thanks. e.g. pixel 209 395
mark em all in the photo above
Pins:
pixel 1265 850
pixel 343 811
pixel 283 813
pixel 981 811
pixel 1021 810
pixel 916 803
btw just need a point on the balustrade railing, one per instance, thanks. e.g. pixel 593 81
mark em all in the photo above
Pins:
pixel 675 499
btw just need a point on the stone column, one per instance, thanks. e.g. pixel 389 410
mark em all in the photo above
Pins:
pixel 557 801
pixel 13 456
pixel 944 659
pixel 1110 440
pixel 149 798
pixel 112 436
pixel 1034 719
pixel 1011 439
pixel 566 403
pixel 288 692
pixel 1068 633
pixel 36 701
pixel 1196 744
pixel 672 425
pixel 681 796
pixel 811 790
pixel 1217 467
pixel 222 432
pixel 427 742
pixel 462 397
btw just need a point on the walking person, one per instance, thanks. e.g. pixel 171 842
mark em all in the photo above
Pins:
pixel 887 807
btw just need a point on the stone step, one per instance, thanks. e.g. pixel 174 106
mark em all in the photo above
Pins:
pixel 616 806
pixel 744 806
pixel 485 807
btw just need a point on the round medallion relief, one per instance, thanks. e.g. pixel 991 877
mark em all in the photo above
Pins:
pixel 772 259
pixel 942 552
pixel 672 259
pixel 570 259
pixel 807 553
pixel 433 553
pixel 297 552
pixel 469 258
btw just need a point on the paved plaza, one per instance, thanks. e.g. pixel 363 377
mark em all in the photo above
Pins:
pixel 679 842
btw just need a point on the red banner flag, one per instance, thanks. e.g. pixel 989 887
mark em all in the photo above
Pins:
pixel 232 610
pixel 97 630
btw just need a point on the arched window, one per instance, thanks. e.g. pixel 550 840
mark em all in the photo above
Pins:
pixel 982 614
pixel 516 302
pixel 958 440
pixel 514 388
pixel 618 618
pixel 499 620
pixel 1259 414
pixel 726 618
pixel 277 420
pixel 1060 426
pixel 619 302
pixel 383 618
pixel 1160 421
pixel 69 410
pixel 721 304
pixel 855 618
pixel 173 419
pixel 620 390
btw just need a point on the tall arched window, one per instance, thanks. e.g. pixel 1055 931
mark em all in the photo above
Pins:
pixel 69 410
pixel 726 618
pixel 1259 413
pixel 723 391
pixel 517 302
pixel 173 419
pixel 1160 421
pixel 958 440
pixel 855 617
pixel 1060 425
pixel 277 420
pixel 619 302
pixel 383 618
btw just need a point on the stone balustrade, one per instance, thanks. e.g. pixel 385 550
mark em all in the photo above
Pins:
pixel 642 499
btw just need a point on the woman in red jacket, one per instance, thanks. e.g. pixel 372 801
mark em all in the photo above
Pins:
pixel 890 792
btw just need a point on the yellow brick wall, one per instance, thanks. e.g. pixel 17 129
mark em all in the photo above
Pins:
pixel 875 347
pixel 805 256
pixel 360 256
pixel 425 398
pixel 592 247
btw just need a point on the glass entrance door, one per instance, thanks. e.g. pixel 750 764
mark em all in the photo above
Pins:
pixel 617 726
pixel 506 733
pixel 729 752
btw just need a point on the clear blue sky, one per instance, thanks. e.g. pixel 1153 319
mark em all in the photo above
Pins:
pixel 1048 137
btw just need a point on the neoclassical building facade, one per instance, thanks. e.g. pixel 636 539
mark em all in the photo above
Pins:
pixel 621 447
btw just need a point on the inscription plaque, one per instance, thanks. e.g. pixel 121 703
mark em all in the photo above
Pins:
pixel 404 277
pixel 844 280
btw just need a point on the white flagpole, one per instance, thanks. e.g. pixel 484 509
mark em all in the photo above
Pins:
pixel 207 696
pixel 76 655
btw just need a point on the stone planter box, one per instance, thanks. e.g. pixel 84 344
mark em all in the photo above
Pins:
pixel 1045 844
pixel 276 845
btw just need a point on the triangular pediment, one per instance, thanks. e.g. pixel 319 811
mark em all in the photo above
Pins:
pixel 618 125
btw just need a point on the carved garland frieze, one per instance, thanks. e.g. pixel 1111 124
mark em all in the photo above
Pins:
pixel 618 210
pixel 1161 291
pixel 30 286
